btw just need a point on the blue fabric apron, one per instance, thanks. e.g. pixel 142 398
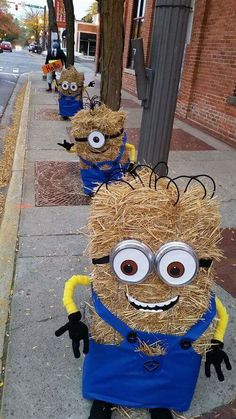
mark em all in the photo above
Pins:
pixel 68 105
pixel 94 175
pixel 124 376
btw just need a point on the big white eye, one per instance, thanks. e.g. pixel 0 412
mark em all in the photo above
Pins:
pixel 176 263
pixel 96 139
pixel 131 261
pixel 73 86
pixel 65 85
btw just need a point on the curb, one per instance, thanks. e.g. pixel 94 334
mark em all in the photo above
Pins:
pixel 10 223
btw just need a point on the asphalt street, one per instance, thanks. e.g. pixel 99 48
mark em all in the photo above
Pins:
pixel 12 65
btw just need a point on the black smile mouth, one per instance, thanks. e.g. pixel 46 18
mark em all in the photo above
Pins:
pixel 152 307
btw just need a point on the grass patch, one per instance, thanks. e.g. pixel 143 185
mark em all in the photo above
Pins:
pixel 9 145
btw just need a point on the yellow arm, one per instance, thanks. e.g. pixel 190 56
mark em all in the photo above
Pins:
pixel 69 289
pixel 223 318
pixel 132 151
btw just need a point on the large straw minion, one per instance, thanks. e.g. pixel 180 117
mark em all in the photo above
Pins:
pixel 101 144
pixel 70 88
pixel 152 245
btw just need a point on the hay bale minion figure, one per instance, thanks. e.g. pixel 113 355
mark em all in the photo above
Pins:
pixel 70 87
pixel 155 314
pixel 101 144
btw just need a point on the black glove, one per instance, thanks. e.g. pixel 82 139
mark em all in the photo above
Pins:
pixel 77 331
pixel 216 356
pixel 131 168
pixel 66 145
pixel 91 83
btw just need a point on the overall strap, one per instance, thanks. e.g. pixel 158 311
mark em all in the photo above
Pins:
pixel 201 326
pixel 108 162
pixel 108 317
pixel 122 149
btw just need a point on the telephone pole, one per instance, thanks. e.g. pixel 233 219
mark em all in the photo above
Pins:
pixel 158 85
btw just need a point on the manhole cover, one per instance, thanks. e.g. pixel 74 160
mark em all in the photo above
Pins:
pixel 58 183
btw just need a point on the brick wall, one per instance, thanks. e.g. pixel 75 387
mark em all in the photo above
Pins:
pixel 129 82
pixel 209 71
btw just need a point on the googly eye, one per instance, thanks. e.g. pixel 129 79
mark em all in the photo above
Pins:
pixel 73 86
pixel 65 85
pixel 177 263
pixel 131 261
pixel 96 139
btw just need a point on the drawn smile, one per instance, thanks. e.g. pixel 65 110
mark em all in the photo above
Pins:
pixel 152 307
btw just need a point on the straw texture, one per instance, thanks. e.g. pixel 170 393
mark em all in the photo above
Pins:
pixel 71 75
pixel 150 216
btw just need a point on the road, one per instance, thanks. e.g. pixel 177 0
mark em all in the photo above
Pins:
pixel 12 65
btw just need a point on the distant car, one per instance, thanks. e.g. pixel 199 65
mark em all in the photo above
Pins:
pixel 36 48
pixel 30 47
pixel 6 46
pixel 1 50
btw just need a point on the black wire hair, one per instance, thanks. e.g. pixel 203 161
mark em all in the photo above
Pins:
pixel 157 178
pixel 91 102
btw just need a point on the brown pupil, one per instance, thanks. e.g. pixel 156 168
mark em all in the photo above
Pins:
pixel 129 267
pixel 175 269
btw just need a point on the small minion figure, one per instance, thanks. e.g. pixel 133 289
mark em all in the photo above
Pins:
pixel 155 314
pixel 101 144
pixel 70 87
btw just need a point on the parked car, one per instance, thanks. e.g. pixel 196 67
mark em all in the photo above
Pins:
pixel 1 50
pixel 36 48
pixel 6 46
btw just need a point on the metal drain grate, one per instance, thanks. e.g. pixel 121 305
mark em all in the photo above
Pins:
pixel 58 184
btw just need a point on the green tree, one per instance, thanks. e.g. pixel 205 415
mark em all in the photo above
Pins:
pixel 92 11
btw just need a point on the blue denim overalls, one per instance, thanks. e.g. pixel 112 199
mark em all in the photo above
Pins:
pixel 69 105
pixel 121 375
pixel 94 175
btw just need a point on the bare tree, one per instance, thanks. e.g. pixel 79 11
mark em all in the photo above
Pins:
pixel 70 31
pixel 52 20
pixel 112 45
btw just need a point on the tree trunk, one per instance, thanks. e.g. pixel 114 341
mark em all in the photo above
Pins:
pixel 70 31
pixel 52 21
pixel 112 45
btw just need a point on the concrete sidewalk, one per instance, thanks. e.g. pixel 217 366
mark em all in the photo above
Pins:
pixel 42 379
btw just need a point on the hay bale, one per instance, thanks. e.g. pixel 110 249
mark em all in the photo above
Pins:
pixel 106 121
pixel 70 75
pixel 150 216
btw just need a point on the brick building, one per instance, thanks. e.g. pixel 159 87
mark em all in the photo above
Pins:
pixel 85 33
pixel 207 94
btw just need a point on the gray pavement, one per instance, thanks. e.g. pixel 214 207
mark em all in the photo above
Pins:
pixel 42 379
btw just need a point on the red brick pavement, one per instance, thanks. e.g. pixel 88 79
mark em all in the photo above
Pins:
pixel 180 141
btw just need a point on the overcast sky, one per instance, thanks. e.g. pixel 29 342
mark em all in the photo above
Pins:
pixel 80 7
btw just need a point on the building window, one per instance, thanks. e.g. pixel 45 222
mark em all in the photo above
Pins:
pixel 87 44
pixel 137 26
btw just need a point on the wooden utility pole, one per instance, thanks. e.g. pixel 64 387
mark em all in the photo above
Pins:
pixel 171 23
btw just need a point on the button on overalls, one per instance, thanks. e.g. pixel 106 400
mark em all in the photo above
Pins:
pixel 122 375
